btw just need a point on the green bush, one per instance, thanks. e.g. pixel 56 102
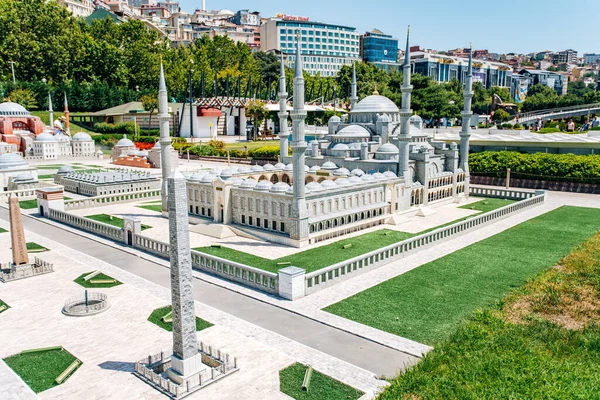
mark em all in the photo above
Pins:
pixel 264 152
pixel 549 130
pixel 571 167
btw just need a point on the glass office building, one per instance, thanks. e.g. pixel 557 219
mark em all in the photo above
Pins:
pixel 380 49
pixel 325 47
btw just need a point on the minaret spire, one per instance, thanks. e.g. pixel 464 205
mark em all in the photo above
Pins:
pixel 165 139
pixel 465 132
pixel 299 225
pixel 353 96
pixel 66 114
pixel 283 114
pixel 405 113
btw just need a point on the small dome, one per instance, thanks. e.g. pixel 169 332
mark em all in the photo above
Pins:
pixel 389 174
pixel 341 146
pixel 65 169
pixel 244 170
pixel 226 173
pixel 384 118
pixel 355 180
pixel 329 166
pixel 256 168
pixel 290 190
pixel 343 182
pixel 263 186
pixel 10 108
pixel 81 137
pixel 357 172
pixel 198 176
pixel 143 153
pixel 157 145
pixel 124 142
pixel 354 131
pixel 11 160
pixel 133 153
pixel 280 187
pixel 328 184
pixel 289 167
pixel 367 178
pixel 388 148
pixel 416 121
pixel 341 171
pixel 208 178
pixel 354 146
pixel 24 176
pixel 375 104
pixel 314 187
pixel 314 141
pixel 335 119
pixel 279 166
pixel 306 169
pixel 216 171
pixel 236 181
pixel 269 167
pixel 248 183
pixel 314 168
pixel 379 176
pixel 45 137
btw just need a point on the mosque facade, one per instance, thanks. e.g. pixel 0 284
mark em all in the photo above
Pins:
pixel 375 163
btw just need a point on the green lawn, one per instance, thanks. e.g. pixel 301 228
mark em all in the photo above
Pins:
pixel 45 176
pixel 322 387
pixel 4 304
pixel 540 342
pixel 88 284
pixel 2 230
pixel 35 248
pixel 250 145
pixel 152 207
pixel 39 370
pixel 112 220
pixel 74 127
pixel 28 204
pixel 324 256
pixel 157 314
pixel 429 302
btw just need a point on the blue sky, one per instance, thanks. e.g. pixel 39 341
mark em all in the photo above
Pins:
pixel 500 26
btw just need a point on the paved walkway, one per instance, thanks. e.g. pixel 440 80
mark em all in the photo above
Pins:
pixel 12 387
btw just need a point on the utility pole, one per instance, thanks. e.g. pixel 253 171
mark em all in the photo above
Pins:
pixel 190 100
pixel 12 66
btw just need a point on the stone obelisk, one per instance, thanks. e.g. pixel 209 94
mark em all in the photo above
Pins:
pixel 186 359
pixel 17 235
pixel 165 138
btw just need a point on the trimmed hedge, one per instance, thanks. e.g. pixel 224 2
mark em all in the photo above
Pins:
pixel 212 151
pixel 575 168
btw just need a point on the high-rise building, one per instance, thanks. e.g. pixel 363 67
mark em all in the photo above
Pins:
pixel 325 48
pixel 379 49
pixel 591 58
pixel 568 56
pixel 245 17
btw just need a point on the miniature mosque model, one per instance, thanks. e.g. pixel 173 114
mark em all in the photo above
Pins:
pixel 373 165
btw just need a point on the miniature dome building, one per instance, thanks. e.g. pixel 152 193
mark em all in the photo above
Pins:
pixel 17 126
pixel 83 145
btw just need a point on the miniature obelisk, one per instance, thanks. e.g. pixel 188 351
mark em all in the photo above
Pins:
pixel 17 235
pixel 186 359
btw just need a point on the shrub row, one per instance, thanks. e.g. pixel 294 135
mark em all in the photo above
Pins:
pixel 576 168
pixel 123 128
pixel 215 149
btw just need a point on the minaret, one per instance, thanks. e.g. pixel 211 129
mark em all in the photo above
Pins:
pixel 405 113
pixel 465 132
pixel 283 114
pixel 299 226
pixel 165 139
pixel 186 359
pixel 50 112
pixel 67 126
pixel 353 96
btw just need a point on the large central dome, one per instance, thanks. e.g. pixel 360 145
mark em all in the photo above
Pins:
pixel 375 104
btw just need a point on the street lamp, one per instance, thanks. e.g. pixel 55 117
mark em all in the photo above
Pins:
pixel 190 100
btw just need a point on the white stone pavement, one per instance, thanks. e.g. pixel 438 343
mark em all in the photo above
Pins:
pixel 109 343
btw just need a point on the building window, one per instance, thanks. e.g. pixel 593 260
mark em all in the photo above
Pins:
pixel 249 220
pixel 208 211
pixel 265 223
pixel 274 225
pixel 243 219
pixel 282 225
pixel 258 222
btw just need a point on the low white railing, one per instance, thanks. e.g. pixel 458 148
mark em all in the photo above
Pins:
pixel 23 194
pixel 9 272
pixel 99 228
pixel 509 194
pixel 86 202
pixel 331 275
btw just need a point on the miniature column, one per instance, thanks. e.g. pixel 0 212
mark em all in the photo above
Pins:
pixel 17 235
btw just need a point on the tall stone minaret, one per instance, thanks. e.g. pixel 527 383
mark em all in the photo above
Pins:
pixel 67 123
pixel 186 359
pixel 465 132
pixel 283 114
pixel 405 114
pixel 165 139
pixel 299 226
pixel 353 96
pixel 50 112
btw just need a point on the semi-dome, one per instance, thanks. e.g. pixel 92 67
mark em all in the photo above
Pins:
pixel 314 187
pixel 375 104
pixel 388 148
pixel 329 165
pixel 65 169
pixel 45 137
pixel 248 183
pixel 357 172
pixel 269 167
pixel 263 186
pixel 124 142
pixel 341 146
pixel 354 131
pixel 9 108
pixel 280 187
pixel 81 137
pixel 11 160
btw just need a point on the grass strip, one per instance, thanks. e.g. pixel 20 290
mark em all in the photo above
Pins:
pixel 40 370
pixel 33 247
pixel 322 387
pixel 3 306
pixel 2 230
pixel 540 342
pixel 152 207
pixel 89 284
pixel 156 318
pixel 112 220
pixel 429 302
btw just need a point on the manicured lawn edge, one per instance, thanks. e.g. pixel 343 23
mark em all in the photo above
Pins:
pixel 33 247
pixel 322 387
pixel 157 314
pixel 112 220
pixel 87 284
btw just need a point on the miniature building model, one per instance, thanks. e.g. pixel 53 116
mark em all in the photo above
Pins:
pixel 105 183
pixel 17 124
pixel 14 170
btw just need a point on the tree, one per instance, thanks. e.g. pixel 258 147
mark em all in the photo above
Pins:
pixel 150 103
pixel 258 111
pixel 501 116
pixel 24 97
pixel 552 68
